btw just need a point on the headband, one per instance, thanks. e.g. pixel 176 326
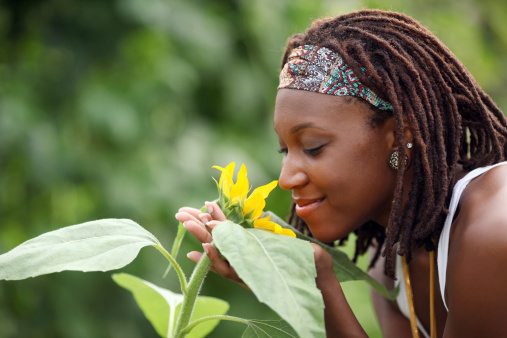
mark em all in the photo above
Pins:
pixel 319 69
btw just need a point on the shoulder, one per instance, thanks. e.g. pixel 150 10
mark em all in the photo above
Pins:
pixel 483 206
pixel 476 274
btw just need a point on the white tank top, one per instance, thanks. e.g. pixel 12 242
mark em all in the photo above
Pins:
pixel 443 246
pixel 443 243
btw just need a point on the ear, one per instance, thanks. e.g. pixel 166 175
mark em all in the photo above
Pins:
pixel 392 138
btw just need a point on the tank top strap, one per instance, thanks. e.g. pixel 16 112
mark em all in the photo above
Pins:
pixel 443 243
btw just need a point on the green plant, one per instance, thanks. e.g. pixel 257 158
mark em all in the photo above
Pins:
pixel 279 270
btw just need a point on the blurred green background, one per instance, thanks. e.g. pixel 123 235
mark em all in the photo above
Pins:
pixel 120 108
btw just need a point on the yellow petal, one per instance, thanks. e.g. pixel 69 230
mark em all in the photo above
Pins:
pixel 256 203
pixel 265 189
pixel 278 228
pixel 264 223
pixel 240 189
pixel 226 181
pixel 288 232
pixel 254 200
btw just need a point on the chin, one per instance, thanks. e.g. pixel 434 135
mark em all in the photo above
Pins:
pixel 324 237
pixel 322 233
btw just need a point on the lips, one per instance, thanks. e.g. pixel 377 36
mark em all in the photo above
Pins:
pixel 305 207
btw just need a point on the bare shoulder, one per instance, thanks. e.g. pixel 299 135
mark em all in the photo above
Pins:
pixel 476 273
pixel 483 214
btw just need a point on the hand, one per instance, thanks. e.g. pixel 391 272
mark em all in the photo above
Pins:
pixel 323 262
pixel 201 225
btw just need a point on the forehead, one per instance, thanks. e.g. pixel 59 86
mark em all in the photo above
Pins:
pixel 295 107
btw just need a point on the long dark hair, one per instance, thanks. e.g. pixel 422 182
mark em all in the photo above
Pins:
pixel 452 120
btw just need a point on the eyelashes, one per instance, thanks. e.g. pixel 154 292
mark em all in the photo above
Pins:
pixel 314 151
pixel 311 151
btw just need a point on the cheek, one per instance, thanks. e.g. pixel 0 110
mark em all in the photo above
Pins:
pixel 357 174
pixel 353 162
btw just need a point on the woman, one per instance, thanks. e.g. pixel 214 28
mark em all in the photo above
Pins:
pixel 383 131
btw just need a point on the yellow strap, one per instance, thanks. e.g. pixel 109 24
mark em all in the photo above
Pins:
pixel 408 290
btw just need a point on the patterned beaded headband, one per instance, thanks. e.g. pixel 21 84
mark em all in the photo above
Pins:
pixel 318 69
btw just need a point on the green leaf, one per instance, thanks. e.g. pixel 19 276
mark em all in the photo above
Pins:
pixel 280 271
pixel 101 245
pixel 158 305
pixel 161 306
pixel 268 329
pixel 204 307
pixel 344 269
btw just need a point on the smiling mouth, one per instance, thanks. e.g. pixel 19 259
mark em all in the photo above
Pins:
pixel 305 208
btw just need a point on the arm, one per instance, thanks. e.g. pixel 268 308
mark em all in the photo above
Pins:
pixel 476 271
pixel 392 322
pixel 339 318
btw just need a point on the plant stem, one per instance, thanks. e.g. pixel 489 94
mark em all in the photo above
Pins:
pixel 177 268
pixel 176 245
pixel 217 317
pixel 194 285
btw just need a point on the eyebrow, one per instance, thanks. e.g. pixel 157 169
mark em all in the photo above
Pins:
pixel 305 125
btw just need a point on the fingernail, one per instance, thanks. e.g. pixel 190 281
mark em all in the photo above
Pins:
pixel 205 246
pixel 209 207
pixel 205 218
pixel 185 224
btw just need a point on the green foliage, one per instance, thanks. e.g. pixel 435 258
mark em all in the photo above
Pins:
pixel 100 245
pixel 117 109
pixel 268 329
pixel 343 267
pixel 280 271
pixel 162 306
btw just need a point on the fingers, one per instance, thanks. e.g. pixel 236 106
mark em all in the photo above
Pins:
pixel 194 255
pixel 196 223
pixel 323 260
pixel 188 214
pixel 215 211
pixel 220 266
pixel 199 223
pixel 212 224
pixel 199 231
pixel 191 212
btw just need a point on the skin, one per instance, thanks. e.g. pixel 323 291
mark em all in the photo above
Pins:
pixel 336 165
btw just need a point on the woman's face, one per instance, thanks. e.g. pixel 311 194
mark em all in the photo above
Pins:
pixel 335 162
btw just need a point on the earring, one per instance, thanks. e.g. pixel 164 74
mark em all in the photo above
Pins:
pixel 394 160
pixel 409 145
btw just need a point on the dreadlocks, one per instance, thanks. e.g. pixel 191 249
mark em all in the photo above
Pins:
pixel 452 120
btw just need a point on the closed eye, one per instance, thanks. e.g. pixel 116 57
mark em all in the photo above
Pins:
pixel 314 151
pixel 283 151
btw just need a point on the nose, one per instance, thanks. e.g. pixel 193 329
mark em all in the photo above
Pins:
pixel 292 174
